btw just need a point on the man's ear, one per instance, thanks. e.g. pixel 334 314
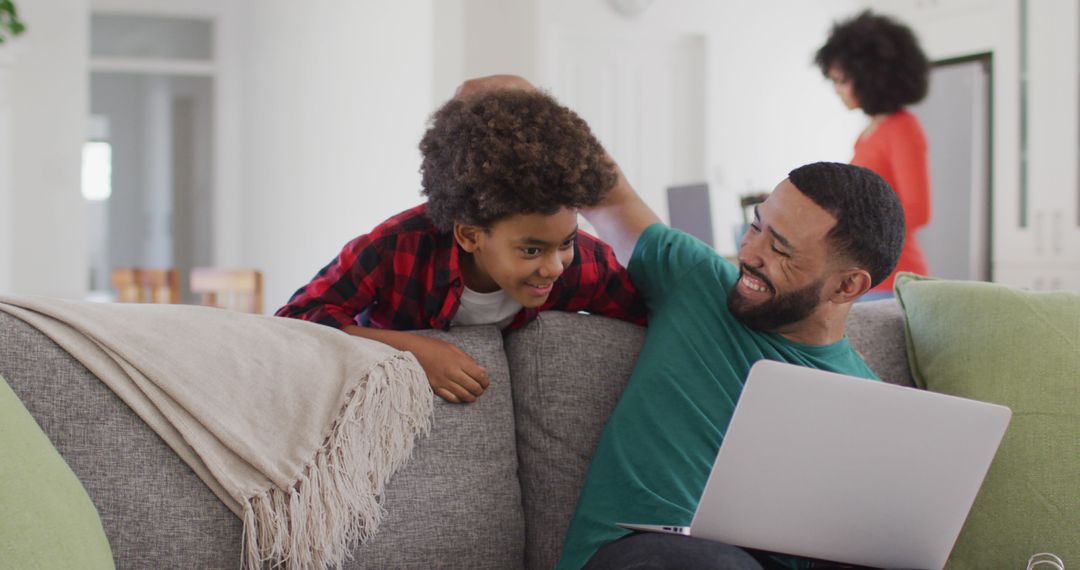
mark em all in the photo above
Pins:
pixel 851 285
pixel 468 237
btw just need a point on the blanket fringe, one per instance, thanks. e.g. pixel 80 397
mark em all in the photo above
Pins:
pixel 335 503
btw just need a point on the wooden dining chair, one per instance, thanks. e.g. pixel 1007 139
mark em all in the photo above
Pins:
pixel 142 285
pixel 235 289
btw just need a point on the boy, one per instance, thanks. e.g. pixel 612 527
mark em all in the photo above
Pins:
pixel 504 173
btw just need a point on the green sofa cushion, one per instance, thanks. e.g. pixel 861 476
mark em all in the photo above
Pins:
pixel 1020 349
pixel 48 521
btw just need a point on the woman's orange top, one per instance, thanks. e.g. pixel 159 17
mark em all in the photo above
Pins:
pixel 896 150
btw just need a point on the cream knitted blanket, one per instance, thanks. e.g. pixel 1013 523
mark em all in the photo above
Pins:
pixel 296 427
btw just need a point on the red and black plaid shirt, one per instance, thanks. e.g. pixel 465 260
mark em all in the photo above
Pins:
pixel 405 275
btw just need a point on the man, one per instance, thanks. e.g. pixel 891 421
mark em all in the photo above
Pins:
pixel 826 235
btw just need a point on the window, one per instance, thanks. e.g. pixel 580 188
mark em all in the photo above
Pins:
pixel 97 171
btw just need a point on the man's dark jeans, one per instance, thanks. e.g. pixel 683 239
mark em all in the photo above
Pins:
pixel 672 551
pixel 645 550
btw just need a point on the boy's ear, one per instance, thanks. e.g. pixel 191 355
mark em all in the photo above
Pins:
pixel 467 236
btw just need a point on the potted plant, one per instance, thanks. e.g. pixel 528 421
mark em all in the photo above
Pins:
pixel 10 25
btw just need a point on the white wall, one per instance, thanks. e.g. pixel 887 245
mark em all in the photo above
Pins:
pixel 447 48
pixel 767 108
pixel 45 243
pixel 771 108
pixel 326 127
pixel 7 233
pixel 335 100
pixel 317 139
pixel 473 38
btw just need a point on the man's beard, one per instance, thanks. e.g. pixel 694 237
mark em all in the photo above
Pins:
pixel 778 312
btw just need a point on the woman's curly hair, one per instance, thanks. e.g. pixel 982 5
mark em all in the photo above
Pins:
pixel 881 57
pixel 496 154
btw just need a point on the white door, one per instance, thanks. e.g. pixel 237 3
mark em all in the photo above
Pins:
pixel 644 99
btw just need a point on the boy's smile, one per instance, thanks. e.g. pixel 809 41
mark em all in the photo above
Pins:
pixel 523 255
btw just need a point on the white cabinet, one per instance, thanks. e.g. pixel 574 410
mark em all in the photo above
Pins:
pixel 1037 228
pixel 1038 277
pixel 1035 47
pixel 1035 196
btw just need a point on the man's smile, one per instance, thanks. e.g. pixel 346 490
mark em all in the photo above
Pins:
pixel 754 281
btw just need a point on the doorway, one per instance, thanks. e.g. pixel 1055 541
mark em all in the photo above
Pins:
pixel 152 81
pixel 956 115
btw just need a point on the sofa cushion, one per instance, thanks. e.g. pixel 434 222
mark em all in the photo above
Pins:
pixel 457 502
pixel 1020 349
pixel 48 520
pixel 568 372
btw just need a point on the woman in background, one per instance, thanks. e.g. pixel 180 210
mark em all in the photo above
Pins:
pixel 876 65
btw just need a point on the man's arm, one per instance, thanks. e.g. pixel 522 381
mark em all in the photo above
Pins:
pixel 621 216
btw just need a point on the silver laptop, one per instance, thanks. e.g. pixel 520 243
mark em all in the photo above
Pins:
pixel 689 210
pixel 832 467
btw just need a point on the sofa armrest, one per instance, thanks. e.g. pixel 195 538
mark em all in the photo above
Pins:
pixel 456 502
pixel 155 511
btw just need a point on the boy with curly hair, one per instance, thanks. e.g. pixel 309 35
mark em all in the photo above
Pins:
pixel 497 241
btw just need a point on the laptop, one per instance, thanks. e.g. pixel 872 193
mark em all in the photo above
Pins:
pixel 831 467
pixel 689 210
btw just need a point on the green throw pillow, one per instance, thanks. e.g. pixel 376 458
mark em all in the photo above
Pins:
pixel 47 521
pixel 1020 349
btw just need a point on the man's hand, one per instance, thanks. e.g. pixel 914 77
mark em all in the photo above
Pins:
pixel 621 217
pixel 491 83
pixel 454 376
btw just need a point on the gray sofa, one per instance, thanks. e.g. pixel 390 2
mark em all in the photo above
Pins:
pixel 493 486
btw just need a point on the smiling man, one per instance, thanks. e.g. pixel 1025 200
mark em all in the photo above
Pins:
pixel 825 236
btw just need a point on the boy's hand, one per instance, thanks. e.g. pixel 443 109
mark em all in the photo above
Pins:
pixel 454 376
pixel 492 82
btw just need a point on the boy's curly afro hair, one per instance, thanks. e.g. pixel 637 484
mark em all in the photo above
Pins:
pixel 500 153
pixel 881 57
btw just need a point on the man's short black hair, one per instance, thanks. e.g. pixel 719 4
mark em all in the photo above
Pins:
pixel 497 154
pixel 869 226
pixel 881 57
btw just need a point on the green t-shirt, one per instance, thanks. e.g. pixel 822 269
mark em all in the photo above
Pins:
pixel 659 444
